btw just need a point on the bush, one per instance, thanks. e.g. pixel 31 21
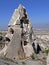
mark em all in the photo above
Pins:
pixel 7 59
pixel 46 51
pixel 23 63
pixel 32 56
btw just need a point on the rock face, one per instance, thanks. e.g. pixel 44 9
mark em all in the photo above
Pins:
pixel 48 59
pixel 15 45
pixel 19 36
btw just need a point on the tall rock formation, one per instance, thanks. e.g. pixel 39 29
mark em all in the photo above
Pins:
pixel 19 36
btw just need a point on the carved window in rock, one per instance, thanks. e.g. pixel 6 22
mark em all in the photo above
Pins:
pixel 7 39
pixel 1 38
pixel 2 46
pixel 25 13
pixel 24 10
pixel 25 43
pixel 11 31
pixel 22 34
pixel 26 21
pixel 21 23
pixel 21 44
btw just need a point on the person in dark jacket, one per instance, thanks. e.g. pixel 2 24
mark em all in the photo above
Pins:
pixel 33 45
pixel 36 50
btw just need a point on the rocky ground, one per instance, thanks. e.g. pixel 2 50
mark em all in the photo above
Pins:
pixel 20 62
pixel 44 35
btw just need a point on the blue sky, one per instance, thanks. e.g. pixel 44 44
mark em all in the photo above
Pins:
pixel 38 11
